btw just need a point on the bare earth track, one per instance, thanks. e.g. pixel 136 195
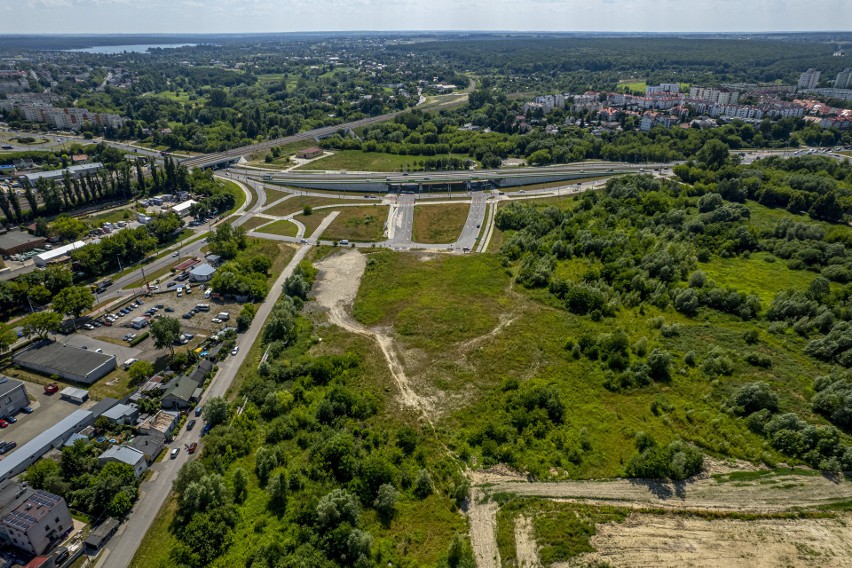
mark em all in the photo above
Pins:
pixel 337 285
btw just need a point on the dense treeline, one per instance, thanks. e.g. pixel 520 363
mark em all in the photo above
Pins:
pixel 577 64
pixel 643 241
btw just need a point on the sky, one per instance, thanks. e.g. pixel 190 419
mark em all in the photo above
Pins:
pixel 246 16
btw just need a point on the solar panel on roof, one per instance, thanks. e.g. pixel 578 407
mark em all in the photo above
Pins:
pixel 20 520
pixel 45 499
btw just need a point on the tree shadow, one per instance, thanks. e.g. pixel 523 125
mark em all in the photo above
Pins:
pixel 662 489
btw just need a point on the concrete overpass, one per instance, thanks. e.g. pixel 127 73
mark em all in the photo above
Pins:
pixel 230 157
pixel 463 180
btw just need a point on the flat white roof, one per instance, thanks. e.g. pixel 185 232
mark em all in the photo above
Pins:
pixel 185 205
pixel 61 251
pixel 74 392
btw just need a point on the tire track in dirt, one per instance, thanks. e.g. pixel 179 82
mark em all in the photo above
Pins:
pixel 339 279
pixel 526 550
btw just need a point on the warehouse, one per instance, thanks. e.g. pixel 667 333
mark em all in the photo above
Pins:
pixel 16 242
pixel 54 437
pixel 57 175
pixel 45 258
pixel 70 363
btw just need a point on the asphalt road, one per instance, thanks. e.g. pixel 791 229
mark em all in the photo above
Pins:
pixel 120 550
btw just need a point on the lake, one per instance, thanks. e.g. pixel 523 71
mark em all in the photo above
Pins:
pixel 135 48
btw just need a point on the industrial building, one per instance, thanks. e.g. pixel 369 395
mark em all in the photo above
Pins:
pixel 77 171
pixel 16 242
pixel 13 396
pixel 32 521
pixel 54 437
pixel 70 363
pixel 47 257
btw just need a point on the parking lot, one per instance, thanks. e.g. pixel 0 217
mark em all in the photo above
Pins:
pixel 200 325
pixel 47 411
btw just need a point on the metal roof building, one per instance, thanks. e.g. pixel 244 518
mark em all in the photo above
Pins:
pixel 202 273
pixel 125 454
pixel 75 171
pixel 44 258
pixel 54 437
pixel 71 363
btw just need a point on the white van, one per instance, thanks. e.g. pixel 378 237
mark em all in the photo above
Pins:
pixel 129 362
pixel 224 316
pixel 202 307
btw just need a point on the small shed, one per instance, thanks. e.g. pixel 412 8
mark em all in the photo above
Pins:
pixel 309 153
pixel 74 394
pixel 202 273
pixel 101 534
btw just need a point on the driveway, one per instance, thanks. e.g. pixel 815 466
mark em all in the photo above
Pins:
pixel 48 410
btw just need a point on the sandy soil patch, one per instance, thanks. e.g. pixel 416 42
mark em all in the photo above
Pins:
pixel 483 530
pixel 652 540
pixel 525 547
pixel 335 290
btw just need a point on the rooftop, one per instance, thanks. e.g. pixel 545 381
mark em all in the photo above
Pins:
pixel 73 421
pixel 124 454
pixel 37 506
pixel 16 238
pixel 63 357
pixel 161 421
pixel 203 270
pixel 7 384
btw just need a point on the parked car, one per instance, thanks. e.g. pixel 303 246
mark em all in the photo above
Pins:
pixel 191 424
pixel 10 419
pixel 89 326
pixel 192 447
pixel 171 285
pixel 51 388
pixel 170 309
pixel 27 410
pixel 235 350
pixel 3 423
pixel 175 453
pixel 198 410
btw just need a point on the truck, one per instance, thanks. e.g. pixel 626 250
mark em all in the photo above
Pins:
pixel 224 316
pixel 101 286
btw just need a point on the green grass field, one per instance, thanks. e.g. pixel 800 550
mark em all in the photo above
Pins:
pixel 362 224
pixel 358 161
pixel 437 305
pixel 282 227
pixel 757 276
pixel 439 223
pixel 123 214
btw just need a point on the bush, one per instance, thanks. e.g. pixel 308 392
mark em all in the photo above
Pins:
pixel 137 340
pixel 677 461
pixel 834 399
pixel 753 397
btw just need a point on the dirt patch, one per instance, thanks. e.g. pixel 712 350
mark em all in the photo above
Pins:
pixel 781 493
pixel 336 288
pixel 526 549
pixel 483 529
pixel 655 540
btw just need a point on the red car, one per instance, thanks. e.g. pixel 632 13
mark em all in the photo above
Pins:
pixel 51 388
pixel 3 423
pixel 192 447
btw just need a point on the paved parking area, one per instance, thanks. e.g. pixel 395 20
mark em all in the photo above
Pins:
pixel 122 352
pixel 48 410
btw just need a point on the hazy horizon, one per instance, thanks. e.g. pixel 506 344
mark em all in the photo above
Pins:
pixel 109 17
